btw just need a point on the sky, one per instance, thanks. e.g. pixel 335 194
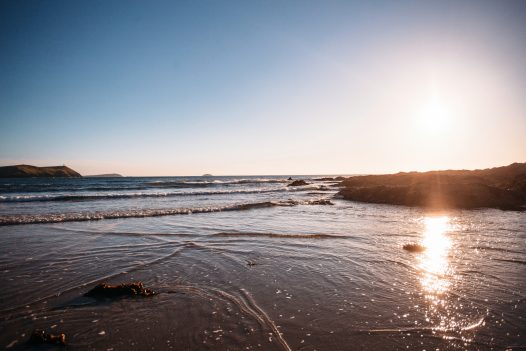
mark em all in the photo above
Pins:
pixel 262 87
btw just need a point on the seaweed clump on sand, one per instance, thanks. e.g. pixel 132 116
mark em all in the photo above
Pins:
pixel 39 336
pixel 104 290
pixel 412 247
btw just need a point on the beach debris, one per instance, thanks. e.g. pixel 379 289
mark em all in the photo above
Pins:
pixel 104 290
pixel 39 336
pixel 412 247
pixel 251 263
pixel 300 182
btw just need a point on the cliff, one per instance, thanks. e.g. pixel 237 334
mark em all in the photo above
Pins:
pixel 27 171
pixel 500 187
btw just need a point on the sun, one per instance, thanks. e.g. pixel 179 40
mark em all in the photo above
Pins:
pixel 434 115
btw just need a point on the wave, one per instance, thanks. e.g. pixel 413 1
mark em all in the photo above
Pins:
pixel 206 183
pixel 54 188
pixel 116 196
pixel 99 215
pixel 129 185
pixel 87 197
pixel 179 184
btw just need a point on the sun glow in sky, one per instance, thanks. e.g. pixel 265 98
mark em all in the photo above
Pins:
pixel 262 87
pixel 435 115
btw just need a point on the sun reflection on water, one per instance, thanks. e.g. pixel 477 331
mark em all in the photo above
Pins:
pixel 436 274
pixel 437 277
pixel 434 262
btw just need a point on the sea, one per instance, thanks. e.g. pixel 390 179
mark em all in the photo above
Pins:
pixel 252 263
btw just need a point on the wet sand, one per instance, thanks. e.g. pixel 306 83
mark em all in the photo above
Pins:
pixel 354 288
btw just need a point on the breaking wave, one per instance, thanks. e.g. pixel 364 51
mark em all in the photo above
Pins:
pixel 116 196
pixel 78 197
pixel 206 183
pixel 120 195
pixel 99 215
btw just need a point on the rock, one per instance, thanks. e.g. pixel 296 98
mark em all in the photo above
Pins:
pixel 290 178
pixel 414 247
pixel 39 336
pixel 112 291
pixel 501 187
pixel 324 179
pixel 320 202
pixel 300 182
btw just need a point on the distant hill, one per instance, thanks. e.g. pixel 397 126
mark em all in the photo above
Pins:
pixel 499 187
pixel 108 175
pixel 27 171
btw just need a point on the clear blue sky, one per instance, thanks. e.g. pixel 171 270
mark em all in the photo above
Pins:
pixel 262 87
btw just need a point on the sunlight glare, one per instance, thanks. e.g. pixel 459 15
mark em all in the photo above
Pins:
pixel 434 115
pixel 434 262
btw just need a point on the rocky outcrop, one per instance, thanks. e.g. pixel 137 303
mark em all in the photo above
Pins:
pixel 300 182
pixel 501 187
pixel 27 171
pixel 330 179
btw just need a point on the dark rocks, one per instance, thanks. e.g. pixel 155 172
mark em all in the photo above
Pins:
pixel 502 187
pixel 414 247
pixel 39 336
pixel 113 291
pixel 320 202
pixel 330 179
pixel 300 182
pixel 290 178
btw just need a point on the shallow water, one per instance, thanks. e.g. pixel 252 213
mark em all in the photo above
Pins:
pixel 249 263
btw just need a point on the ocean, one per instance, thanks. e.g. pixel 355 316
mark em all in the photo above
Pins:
pixel 255 264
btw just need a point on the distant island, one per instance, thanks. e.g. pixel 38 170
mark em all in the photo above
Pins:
pixel 207 175
pixel 500 187
pixel 28 171
pixel 108 175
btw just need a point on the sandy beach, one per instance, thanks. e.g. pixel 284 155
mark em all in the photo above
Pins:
pixel 296 277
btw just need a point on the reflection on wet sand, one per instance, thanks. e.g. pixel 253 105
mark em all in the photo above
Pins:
pixel 434 262
pixel 437 275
